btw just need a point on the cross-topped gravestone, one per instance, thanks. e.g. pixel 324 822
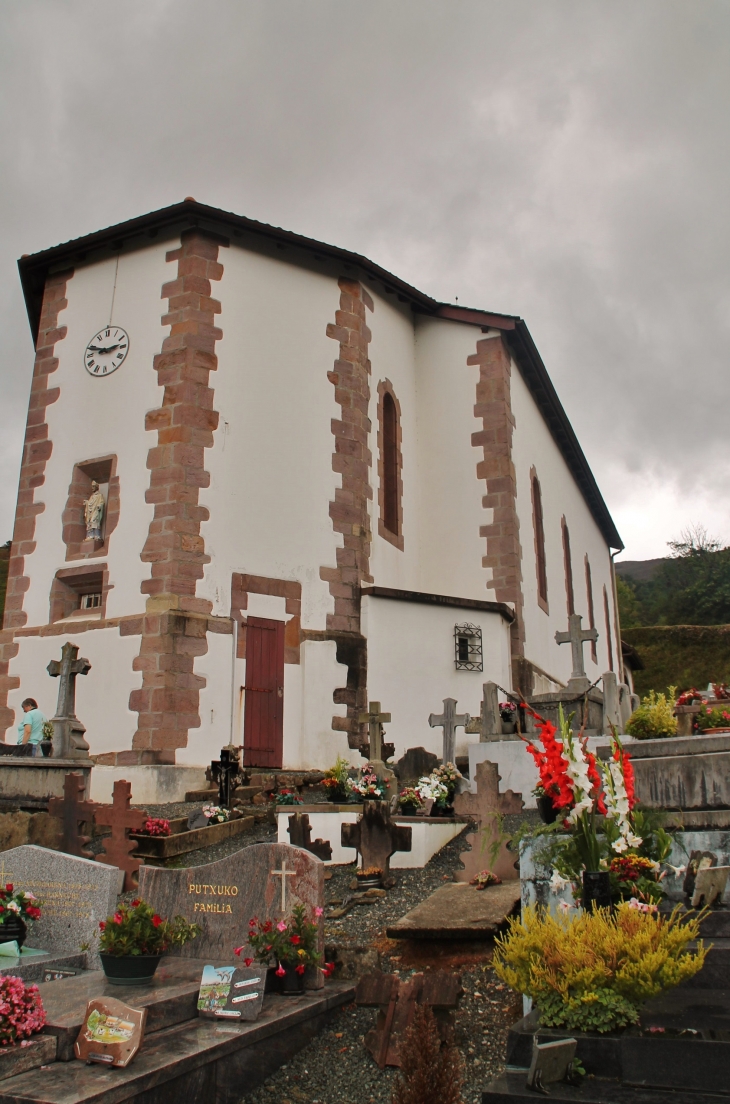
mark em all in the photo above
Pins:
pixel 68 731
pixel 577 637
pixel 71 810
pixel 377 750
pixel 119 848
pixel 227 772
pixel 489 844
pixel 397 999
pixel 300 835
pixel 223 896
pixel 375 836
pixel 449 720
pixel 489 722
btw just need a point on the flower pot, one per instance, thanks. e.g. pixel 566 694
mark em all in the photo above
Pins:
pixel 13 928
pixel 371 881
pixel 46 748
pixel 546 809
pixel 129 969
pixel 337 797
pixel 292 983
pixel 596 889
pixel 408 810
pixel 509 727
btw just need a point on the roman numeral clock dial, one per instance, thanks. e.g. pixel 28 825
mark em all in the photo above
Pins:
pixel 106 351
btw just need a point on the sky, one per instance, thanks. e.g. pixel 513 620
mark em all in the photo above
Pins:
pixel 563 160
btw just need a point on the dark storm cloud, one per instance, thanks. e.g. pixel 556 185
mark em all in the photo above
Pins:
pixel 566 161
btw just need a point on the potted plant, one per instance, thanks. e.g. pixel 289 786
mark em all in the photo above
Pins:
pixel 409 801
pixel 436 787
pixel 368 786
pixel 335 781
pixel 545 805
pixel 654 719
pixel 291 945
pixel 288 797
pixel 215 814
pixel 135 938
pixel 593 971
pixel 484 879
pixel 21 1011
pixel 155 826
pixel 370 877
pixel 47 739
pixel 508 716
pixel 16 907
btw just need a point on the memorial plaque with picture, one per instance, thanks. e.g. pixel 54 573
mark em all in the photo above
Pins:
pixel 111 1033
pixel 263 881
pixel 231 993
pixel 74 894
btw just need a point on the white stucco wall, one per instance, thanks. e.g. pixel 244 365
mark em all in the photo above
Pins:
pixel 102 696
pixel 533 445
pixel 411 667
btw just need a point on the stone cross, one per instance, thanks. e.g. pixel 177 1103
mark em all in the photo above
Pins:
pixel 300 835
pixel 487 806
pixel 68 732
pixel 577 637
pixel 375 836
pixel 488 725
pixel 118 850
pixel 397 999
pixel 227 772
pixel 283 874
pixel 449 720
pixel 375 720
pixel 71 809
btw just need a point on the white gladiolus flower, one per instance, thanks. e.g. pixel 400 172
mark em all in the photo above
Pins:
pixel 558 882
pixel 564 906
pixel 620 845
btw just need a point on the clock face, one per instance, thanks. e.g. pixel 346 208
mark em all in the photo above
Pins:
pixel 106 351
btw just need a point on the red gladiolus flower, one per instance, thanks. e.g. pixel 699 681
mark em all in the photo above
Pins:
pixel 294 939
pixel 156 920
pixel 248 961
pixel 300 969
pixel 237 951
pixel 281 972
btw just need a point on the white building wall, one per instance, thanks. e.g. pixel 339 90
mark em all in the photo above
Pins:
pixel 533 445
pixel 411 667
pixel 450 493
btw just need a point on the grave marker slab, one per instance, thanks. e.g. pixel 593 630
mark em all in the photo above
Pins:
pixel 300 835
pixel 119 848
pixel 75 894
pixel 376 837
pixel 488 845
pixel 111 1034
pixel 72 810
pixel 710 885
pixel 265 881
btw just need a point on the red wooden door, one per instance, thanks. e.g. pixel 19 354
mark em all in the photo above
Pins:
pixel 263 711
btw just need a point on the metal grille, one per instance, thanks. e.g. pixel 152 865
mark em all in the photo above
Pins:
pixel 468 648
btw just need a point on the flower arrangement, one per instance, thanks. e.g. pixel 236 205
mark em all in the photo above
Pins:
pixel 216 814
pixel 369 872
pixel 288 797
pixel 20 903
pixel 654 718
pixel 449 776
pixel 367 785
pixel 410 799
pixel 689 697
pixel 293 943
pixel 21 1011
pixel 593 971
pixel 336 778
pixel 485 878
pixel 712 718
pixel 720 691
pixel 507 710
pixel 136 929
pixel 155 826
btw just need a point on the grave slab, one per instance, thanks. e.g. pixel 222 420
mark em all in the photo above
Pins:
pixel 157 850
pixel 459 911
pixel 265 880
pixel 511 1088
pixel 34 965
pixel 75 895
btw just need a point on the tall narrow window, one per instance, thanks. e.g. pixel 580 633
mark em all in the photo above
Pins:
pixel 607 615
pixel 539 529
pixel 568 569
pixel 591 614
pixel 390 496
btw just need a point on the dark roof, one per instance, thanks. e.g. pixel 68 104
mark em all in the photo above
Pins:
pixel 169 221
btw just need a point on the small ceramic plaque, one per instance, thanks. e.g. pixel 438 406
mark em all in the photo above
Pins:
pixel 231 993
pixel 111 1033
pixel 550 1062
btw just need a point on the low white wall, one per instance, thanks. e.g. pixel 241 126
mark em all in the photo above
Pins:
pixel 154 785
pixel 427 836
pixel 411 667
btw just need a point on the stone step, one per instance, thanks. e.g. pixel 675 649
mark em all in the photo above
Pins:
pixel 200 1061
pixel 209 794
pixel 511 1088
pixel 246 794
pixel 715 974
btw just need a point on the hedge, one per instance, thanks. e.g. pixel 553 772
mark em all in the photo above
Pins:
pixel 680 655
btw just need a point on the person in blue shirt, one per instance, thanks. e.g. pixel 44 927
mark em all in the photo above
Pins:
pixel 30 729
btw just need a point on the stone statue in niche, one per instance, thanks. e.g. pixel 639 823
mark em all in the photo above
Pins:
pixel 94 513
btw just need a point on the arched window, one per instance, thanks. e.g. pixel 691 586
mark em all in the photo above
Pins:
pixel 390 494
pixel 568 569
pixel 591 613
pixel 539 530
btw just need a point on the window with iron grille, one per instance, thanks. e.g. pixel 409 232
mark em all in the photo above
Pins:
pixel 468 648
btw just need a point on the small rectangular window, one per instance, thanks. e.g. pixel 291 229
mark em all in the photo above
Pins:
pixel 90 601
pixel 468 648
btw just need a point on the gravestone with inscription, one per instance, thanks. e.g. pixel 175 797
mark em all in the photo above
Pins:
pixel 263 881
pixel 75 894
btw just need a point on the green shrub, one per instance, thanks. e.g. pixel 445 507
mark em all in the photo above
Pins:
pixel 654 717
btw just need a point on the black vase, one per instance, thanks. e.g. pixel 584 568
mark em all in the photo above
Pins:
pixel 546 809
pixel 292 984
pixel 13 929
pixel 596 889
pixel 337 797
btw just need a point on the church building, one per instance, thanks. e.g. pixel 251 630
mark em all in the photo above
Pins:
pixel 265 482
